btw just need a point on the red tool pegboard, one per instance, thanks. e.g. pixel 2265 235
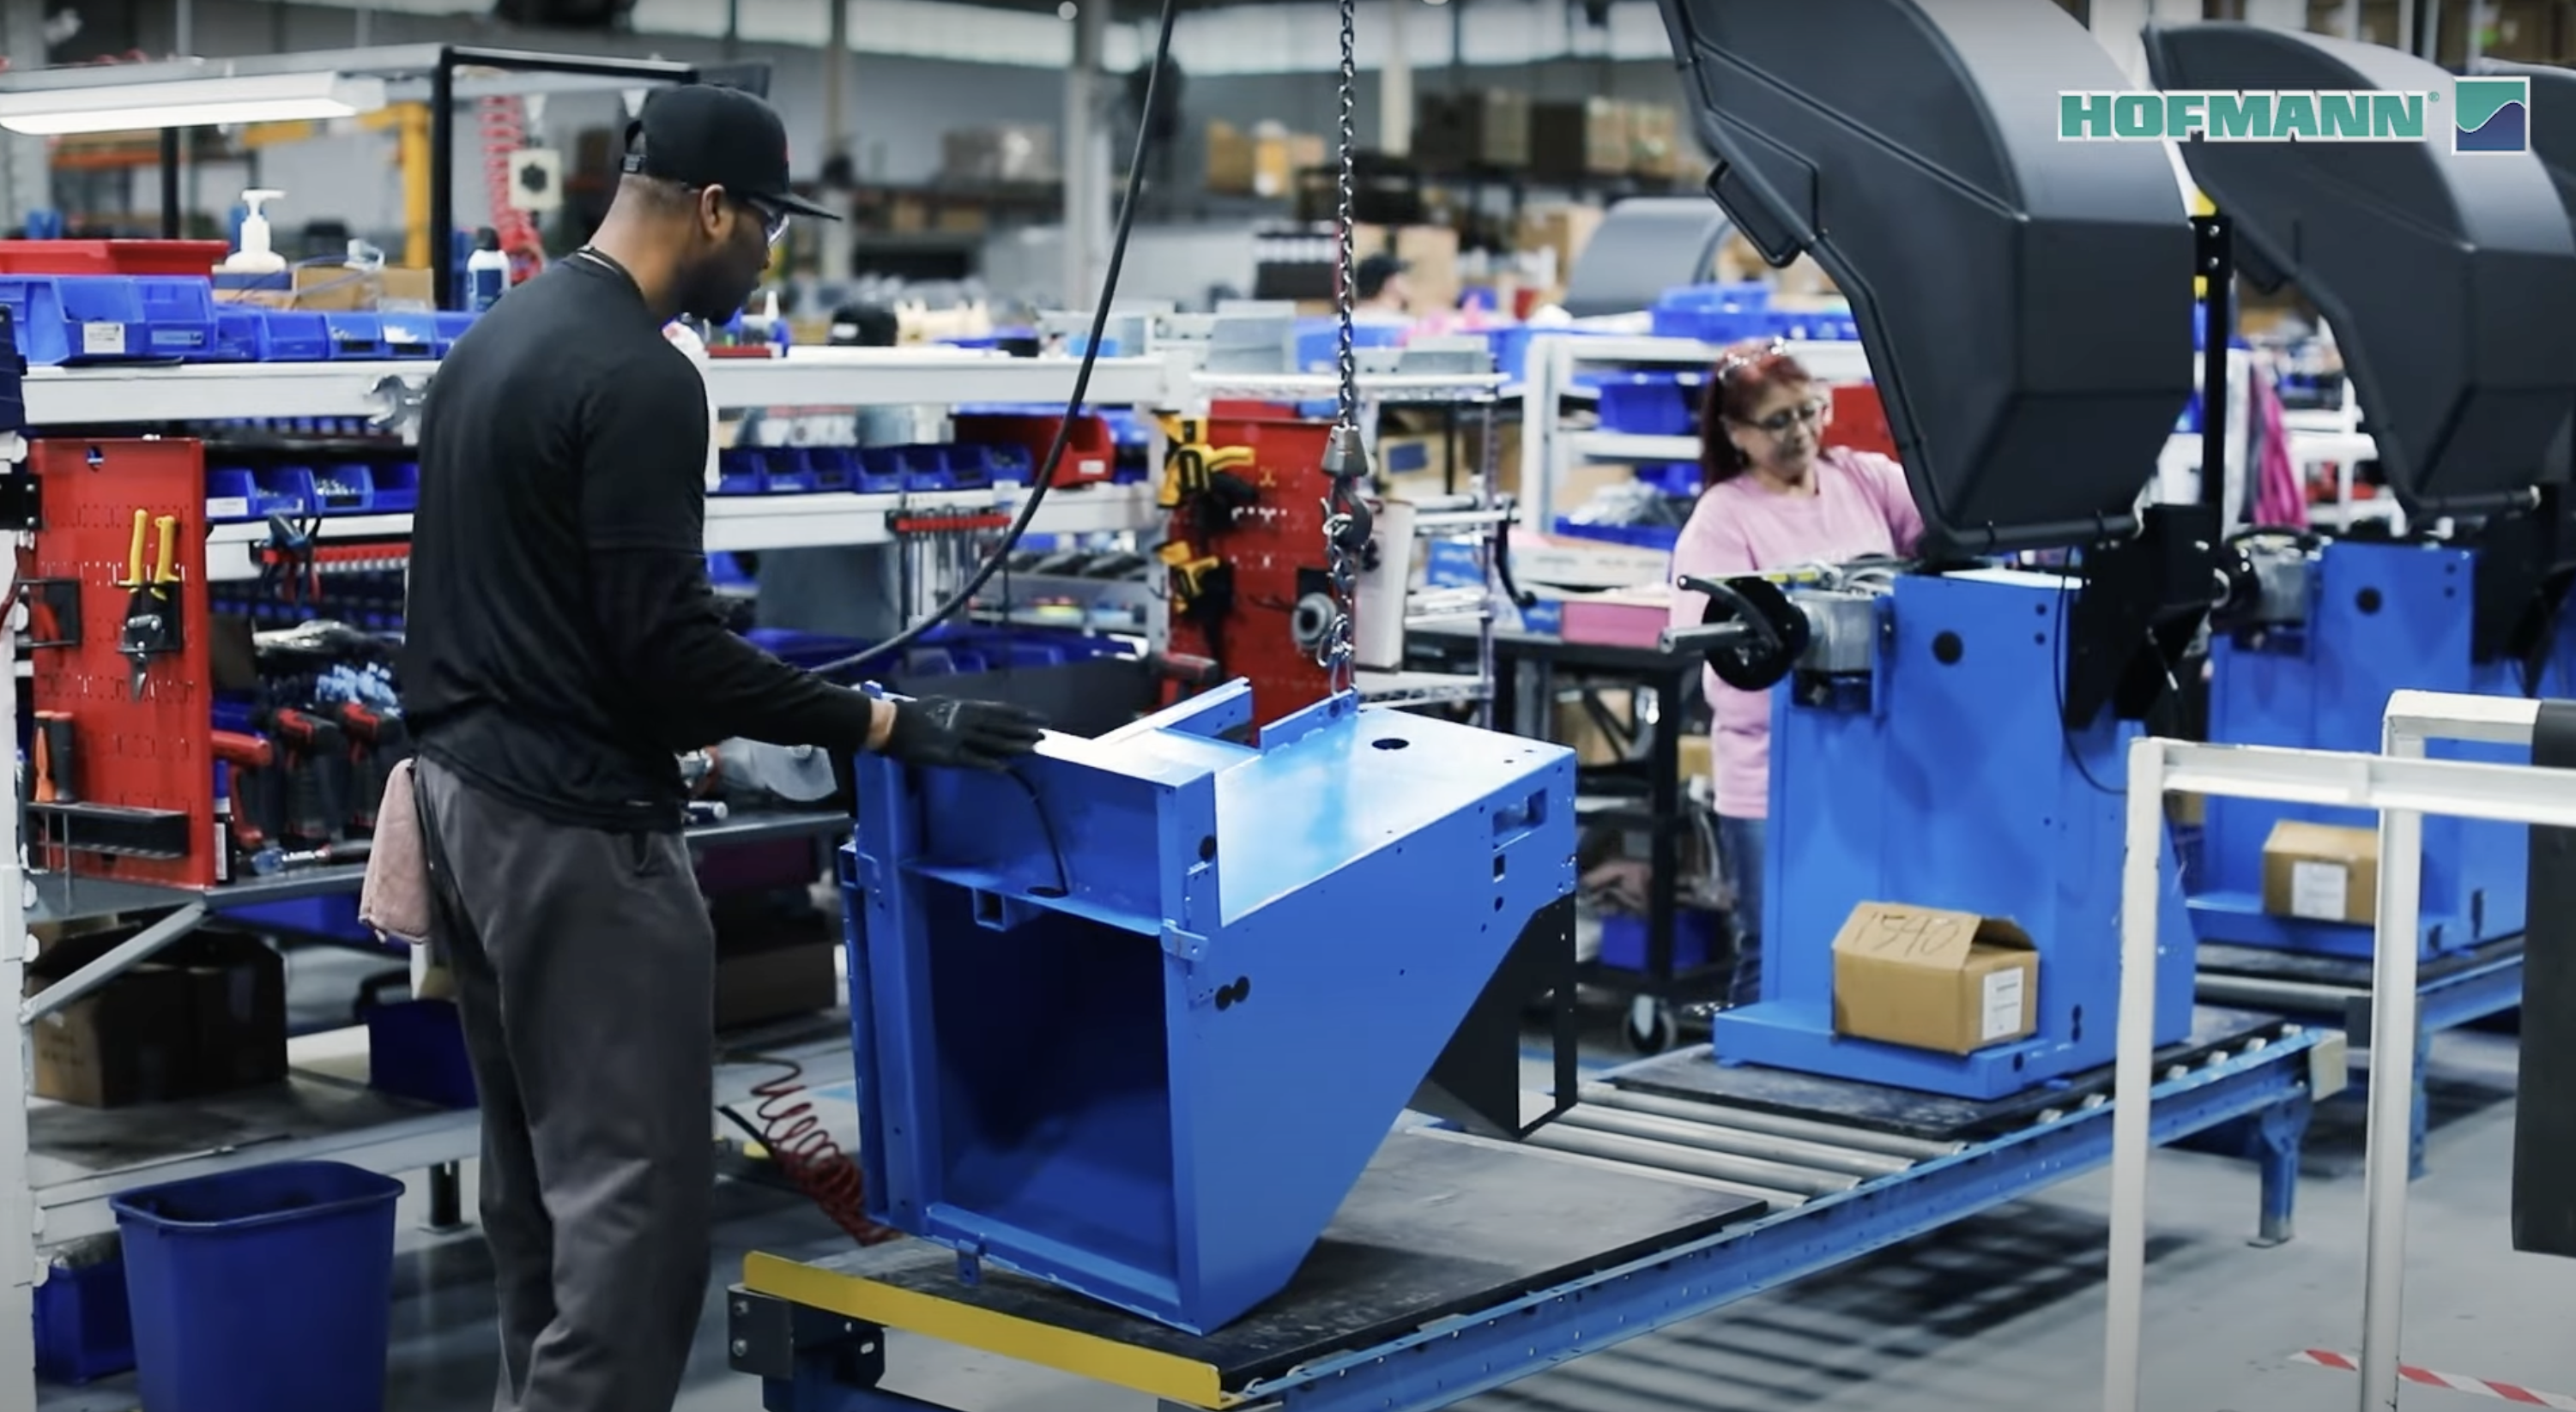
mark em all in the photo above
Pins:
pixel 1267 546
pixel 150 753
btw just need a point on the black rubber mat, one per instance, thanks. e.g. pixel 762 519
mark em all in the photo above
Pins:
pixel 2263 963
pixel 1435 1228
pixel 1691 1073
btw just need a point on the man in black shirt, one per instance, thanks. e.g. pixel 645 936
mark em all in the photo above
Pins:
pixel 564 648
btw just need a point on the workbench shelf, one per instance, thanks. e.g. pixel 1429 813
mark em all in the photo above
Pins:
pixel 60 1164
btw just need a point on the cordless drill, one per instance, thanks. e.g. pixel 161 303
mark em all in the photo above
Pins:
pixel 377 742
pixel 316 768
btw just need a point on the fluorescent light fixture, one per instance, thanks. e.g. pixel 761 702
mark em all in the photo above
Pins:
pixel 189 102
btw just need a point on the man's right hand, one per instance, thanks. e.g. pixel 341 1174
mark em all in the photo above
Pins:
pixel 971 735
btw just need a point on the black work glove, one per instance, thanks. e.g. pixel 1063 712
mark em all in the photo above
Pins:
pixel 971 735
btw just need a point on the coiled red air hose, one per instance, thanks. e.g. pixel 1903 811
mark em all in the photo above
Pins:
pixel 504 122
pixel 806 1152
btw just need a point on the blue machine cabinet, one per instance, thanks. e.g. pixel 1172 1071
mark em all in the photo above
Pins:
pixel 1132 1017
pixel 2312 641
pixel 2382 617
pixel 1947 780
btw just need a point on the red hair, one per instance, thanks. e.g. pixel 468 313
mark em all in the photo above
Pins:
pixel 1745 373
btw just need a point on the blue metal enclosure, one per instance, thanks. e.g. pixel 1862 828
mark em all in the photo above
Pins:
pixel 1134 1016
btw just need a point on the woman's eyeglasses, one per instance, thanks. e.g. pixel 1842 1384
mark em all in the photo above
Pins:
pixel 1805 414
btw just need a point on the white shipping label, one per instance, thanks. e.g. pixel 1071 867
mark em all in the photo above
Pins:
pixel 102 340
pixel 2002 1017
pixel 2319 889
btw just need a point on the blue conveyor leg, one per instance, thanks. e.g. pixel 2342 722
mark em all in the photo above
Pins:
pixel 2279 1133
pixel 2270 1139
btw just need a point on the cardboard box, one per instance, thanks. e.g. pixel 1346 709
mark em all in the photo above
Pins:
pixel 1459 132
pixel 1278 155
pixel 1953 982
pixel 1000 154
pixel 1430 255
pixel 773 959
pixel 1562 230
pixel 1569 140
pixel 1654 140
pixel 1232 163
pixel 205 1016
pixel 2321 872
pixel 337 289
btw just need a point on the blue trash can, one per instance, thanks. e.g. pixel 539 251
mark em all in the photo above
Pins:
pixel 262 1289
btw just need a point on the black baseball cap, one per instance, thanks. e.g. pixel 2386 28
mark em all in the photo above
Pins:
pixel 1374 271
pixel 701 134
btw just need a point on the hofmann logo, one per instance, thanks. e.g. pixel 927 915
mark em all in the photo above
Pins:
pixel 2489 115
pixel 2492 115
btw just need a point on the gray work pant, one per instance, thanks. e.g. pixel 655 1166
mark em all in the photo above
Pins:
pixel 585 970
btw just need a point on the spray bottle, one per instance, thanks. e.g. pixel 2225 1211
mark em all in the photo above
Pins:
pixel 487 271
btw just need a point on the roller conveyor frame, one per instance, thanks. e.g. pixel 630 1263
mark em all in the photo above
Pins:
pixel 2454 990
pixel 1465 1319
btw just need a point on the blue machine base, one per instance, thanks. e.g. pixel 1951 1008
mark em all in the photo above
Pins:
pixel 2381 618
pixel 1952 782
pixel 1799 1036
pixel 2238 919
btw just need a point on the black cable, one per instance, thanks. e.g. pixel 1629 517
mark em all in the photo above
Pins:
pixel 1044 476
pixel 1046 826
pixel 2057 672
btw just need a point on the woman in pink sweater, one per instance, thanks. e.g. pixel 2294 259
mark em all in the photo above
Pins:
pixel 1775 498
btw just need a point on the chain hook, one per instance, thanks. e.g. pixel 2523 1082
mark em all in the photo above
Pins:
pixel 1347 523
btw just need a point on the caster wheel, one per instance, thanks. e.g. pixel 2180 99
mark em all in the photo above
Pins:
pixel 1652 1027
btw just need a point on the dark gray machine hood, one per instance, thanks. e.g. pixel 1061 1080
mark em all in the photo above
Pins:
pixel 2450 279
pixel 2026 303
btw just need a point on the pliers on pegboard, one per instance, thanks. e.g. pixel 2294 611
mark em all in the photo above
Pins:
pixel 286 568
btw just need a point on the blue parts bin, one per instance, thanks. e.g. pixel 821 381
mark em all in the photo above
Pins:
pixel 1133 1016
pixel 84 1326
pixel 873 470
pixel 416 1050
pixel 261 1289
pixel 110 318
pixel 294 336
pixel 1650 404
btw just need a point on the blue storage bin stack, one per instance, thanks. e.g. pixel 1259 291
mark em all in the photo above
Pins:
pixel 63 319
pixel 110 318
pixel 416 1050
pixel 387 484
pixel 1635 536
pixel 1650 404
pixel 1695 940
pixel 1319 341
pixel 1713 313
pixel 84 1326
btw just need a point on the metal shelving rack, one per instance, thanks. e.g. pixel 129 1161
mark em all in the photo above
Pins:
pixel 51 1199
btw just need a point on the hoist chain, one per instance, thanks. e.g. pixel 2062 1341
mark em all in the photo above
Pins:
pixel 1347 521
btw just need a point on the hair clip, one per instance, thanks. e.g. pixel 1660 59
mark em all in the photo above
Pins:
pixel 1734 363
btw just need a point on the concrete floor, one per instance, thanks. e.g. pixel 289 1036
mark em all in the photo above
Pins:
pixel 1998 1313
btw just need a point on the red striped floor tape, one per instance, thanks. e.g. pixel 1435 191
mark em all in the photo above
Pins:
pixel 2482 1387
